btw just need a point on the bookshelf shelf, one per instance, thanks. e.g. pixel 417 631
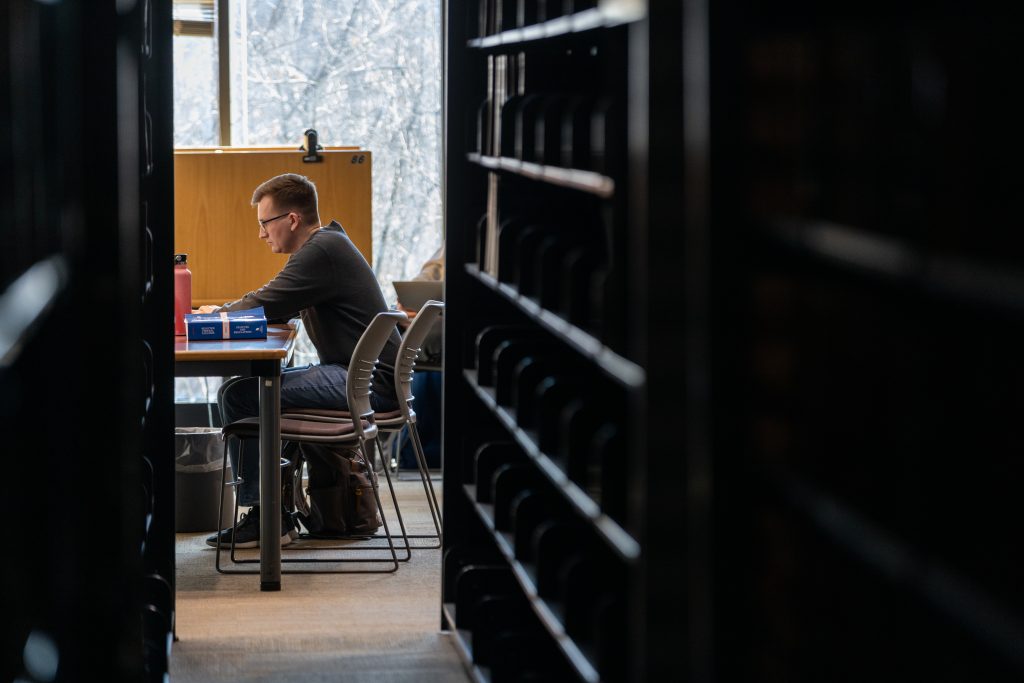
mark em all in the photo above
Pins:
pixel 461 639
pixel 546 612
pixel 877 257
pixel 585 181
pixel 518 36
pixel 618 538
pixel 607 15
pixel 621 369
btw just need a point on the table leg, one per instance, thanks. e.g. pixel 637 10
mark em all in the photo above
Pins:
pixel 270 483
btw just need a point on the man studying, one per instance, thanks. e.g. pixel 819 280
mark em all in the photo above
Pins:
pixel 328 283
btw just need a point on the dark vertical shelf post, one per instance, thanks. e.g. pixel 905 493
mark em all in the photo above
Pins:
pixel 671 484
pixel 460 243
pixel 156 211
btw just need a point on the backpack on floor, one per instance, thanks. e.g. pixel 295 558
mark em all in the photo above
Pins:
pixel 339 500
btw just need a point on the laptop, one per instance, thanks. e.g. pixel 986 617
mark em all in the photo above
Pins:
pixel 412 294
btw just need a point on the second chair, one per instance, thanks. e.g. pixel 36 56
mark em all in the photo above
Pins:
pixel 404 417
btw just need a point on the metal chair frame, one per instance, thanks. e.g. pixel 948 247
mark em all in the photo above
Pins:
pixel 405 365
pixel 408 352
pixel 349 432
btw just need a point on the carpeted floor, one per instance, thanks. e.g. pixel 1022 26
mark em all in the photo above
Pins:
pixel 380 628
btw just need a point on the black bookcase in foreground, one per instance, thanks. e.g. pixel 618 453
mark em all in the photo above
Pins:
pixel 561 517
pixel 733 376
pixel 870 295
pixel 86 393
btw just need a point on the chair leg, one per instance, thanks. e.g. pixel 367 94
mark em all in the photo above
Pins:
pixel 393 560
pixel 428 486
pixel 380 508
pixel 429 494
pixel 421 462
pixel 235 482
pixel 398 512
pixel 234 517
pixel 220 504
pixel 393 450
pixel 431 505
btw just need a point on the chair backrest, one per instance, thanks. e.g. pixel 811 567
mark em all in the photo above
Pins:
pixel 364 360
pixel 409 349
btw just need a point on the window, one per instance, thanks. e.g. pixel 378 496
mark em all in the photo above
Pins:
pixel 361 72
pixel 196 62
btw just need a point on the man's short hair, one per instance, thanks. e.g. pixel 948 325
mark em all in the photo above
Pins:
pixel 290 192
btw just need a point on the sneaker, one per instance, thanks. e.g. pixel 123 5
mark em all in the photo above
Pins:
pixel 247 532
pixel 288 532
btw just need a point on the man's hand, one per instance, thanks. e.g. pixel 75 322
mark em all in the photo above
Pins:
pixel 207 309
pixel 403 309
pixel 409 314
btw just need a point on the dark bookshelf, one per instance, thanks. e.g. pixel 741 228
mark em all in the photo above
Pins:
pixel 564 414
pixel 869 302
pixel 87 414
pixel 766 260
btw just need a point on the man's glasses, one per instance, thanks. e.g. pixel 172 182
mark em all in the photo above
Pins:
pixel 263 223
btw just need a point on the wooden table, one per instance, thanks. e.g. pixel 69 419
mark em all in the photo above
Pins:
pixel 263 358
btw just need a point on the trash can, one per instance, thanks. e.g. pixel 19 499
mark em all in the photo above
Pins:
pixel 198 454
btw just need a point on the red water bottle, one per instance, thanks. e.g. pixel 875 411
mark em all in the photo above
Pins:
pixel 182 292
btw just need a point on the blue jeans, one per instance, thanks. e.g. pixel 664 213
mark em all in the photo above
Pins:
pixel 313 386
pixel 426 387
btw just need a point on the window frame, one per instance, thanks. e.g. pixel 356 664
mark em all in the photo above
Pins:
pixel 218 28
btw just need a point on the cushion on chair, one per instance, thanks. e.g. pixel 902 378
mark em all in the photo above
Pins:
pixel 337 414
pixel 300 428
pixel 317 412
pixel 293 428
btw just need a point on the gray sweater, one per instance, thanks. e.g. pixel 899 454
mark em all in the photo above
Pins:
pixel 331 286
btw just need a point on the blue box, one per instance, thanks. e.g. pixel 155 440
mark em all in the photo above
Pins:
pixel 248 324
